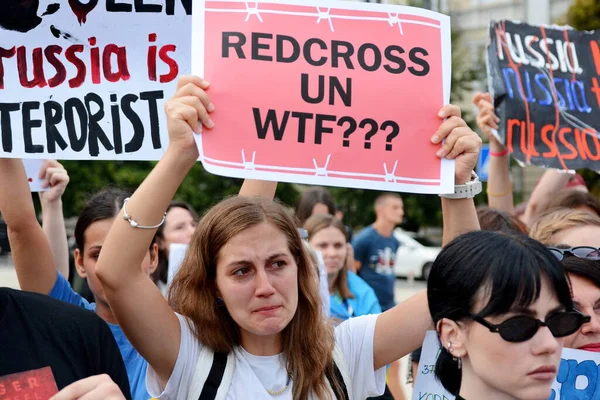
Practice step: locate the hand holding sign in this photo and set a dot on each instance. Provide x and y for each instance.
(55, 179)
(186, 112)
(487, 120)
(461, 143)
(99, 387)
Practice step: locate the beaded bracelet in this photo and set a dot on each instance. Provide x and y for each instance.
(134, 224)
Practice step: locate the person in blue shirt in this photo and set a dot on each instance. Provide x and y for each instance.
(350, 296)
(375, 250)
(37, 273)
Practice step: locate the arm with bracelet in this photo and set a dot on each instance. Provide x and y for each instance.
(140, 308)
(499, 188)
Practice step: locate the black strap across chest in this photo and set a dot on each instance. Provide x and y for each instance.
(217, 370)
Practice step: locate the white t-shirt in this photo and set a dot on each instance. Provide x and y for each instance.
(253, 375)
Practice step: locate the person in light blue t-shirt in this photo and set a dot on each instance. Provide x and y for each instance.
(350, 296)
(37, 273)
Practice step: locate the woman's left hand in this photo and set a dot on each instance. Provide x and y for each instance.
(460, 143)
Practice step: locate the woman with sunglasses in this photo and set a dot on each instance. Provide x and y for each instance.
(575, 237)
(502, 306)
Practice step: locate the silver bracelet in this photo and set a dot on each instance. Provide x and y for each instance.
(133, 223)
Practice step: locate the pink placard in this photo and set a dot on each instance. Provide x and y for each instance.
(334, 93)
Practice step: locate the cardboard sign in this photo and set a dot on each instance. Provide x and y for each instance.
(32, 170)
(544, 81)
(88, 79)
(38, 384)
(578, 375)
(324, 92)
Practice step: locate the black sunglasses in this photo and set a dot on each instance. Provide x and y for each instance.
(522, 328)
(585, 252)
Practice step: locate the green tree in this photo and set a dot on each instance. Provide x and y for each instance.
(585, 15)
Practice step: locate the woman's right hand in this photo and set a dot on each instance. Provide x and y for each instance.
(186, 112)
(487, 119)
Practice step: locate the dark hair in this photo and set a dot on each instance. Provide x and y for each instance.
(309, 198)
(105, 204)
(491, 219)
(505, 268)
(574, 199)
(586, 269)
(162, 271)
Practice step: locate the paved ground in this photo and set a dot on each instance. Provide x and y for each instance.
(404, 289)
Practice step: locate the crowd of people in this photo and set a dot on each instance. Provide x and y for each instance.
(273, 304)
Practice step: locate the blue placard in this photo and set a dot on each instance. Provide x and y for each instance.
(483, 164)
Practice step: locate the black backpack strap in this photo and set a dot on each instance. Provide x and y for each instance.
(215, 377)
(339, 379)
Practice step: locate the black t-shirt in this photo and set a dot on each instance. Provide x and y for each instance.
(37, 331)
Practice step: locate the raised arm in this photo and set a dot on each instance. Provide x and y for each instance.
(53, 222)
(402, 329)
(552, 182)
(31, 253)
(141, 310)
(499, 187)
(252, 187)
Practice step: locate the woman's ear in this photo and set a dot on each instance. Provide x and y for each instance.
(453, 337)
(78, 256)
(153, 259)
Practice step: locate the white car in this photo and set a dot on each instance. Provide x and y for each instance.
(413, 257)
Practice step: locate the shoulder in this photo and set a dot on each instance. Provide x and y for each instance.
(363, 235)
(357, 285)
(57, 315)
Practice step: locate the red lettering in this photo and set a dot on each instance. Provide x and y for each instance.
(595, 55)
(78, 80)
(5, 53)
(581, 144)
(509, 132)
(61, 72)
(122, 71)
(561, 136)
(596, 90)
(16, 386)
(587, 132)
(173, 67)
(38, 68)
(544, 134)
(152, 58)
(95, 56)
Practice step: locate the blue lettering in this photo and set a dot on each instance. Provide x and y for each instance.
(539, 79)
(578, 86)
(530, 97)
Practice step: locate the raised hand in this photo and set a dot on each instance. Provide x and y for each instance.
(56, 178)
(487, 120)
(187, 111)
(460, 143)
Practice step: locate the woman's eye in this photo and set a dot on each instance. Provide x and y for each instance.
(279, 264)
(240, 272)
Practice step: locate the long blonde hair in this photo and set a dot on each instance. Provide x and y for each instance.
(308, 340)
(550, 223)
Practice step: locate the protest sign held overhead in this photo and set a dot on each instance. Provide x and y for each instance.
(88, 79)
(544, 81)
(335, 93)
